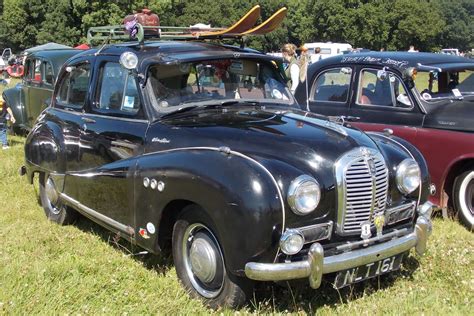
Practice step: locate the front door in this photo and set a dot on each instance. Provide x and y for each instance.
(113, 133)
(383, 101)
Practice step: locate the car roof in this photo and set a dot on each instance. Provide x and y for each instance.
(57, 57)
(401, 60)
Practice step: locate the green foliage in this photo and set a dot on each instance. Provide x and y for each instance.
(374, 24)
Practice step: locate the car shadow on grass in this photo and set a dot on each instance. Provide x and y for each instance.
(294, 296)
(158, 263)
(297, 296)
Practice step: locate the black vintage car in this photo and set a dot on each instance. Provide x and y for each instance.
(425, 98)
(200, 148)
(28, 98)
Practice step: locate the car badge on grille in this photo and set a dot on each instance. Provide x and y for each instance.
(379, 221)
(372, 169)
(365, 230)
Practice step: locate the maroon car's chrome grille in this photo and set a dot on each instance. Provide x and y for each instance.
(362, 186)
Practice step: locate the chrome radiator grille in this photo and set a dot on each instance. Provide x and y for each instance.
(362, 188)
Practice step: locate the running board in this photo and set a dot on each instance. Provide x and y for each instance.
(94, 214)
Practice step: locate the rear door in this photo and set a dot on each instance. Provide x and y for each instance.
(40, 88)
(330, 91)
(113, 133)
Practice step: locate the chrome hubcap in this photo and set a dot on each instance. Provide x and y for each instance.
(203, 260)
(51, 192)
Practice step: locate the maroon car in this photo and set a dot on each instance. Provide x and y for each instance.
(425, 98)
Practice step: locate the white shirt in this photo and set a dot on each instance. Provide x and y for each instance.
(295, 77)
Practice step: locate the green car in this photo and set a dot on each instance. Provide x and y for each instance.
(30, 97)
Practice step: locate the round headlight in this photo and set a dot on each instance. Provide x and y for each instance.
(129, 60)
(291, 242)
(304, 195)
(408, 176)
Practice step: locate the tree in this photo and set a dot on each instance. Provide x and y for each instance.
(459, 30)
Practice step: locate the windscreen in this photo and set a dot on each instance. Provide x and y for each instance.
(434, 85)
(178, 85)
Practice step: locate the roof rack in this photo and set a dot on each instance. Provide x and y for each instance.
(240, 29)
(119, 33)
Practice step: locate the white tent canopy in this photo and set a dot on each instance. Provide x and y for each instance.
(46, 46)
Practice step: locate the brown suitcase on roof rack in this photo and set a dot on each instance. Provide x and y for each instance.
(146, 18)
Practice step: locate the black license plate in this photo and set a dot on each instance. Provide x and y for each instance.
(370, 270)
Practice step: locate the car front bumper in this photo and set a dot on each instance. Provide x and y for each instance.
(316, 265)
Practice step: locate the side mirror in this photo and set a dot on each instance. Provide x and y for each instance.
(346, 70)
(382, 75)
(409, 76)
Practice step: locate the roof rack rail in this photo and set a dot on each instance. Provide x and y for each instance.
(119, 33)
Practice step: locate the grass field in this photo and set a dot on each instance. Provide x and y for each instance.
(81, 269)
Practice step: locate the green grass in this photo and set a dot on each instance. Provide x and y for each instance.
(80, 269)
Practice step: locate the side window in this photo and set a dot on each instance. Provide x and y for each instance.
(73, 86)
(37, 71)
(332, 85)
(48, 73)
(382, 89)
(29, 69)
(118, 93)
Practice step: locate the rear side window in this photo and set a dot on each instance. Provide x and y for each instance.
(48, 73)
(73, 86)
(332, 85)
(118, 92)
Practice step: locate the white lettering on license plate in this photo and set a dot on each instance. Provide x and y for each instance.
(370, 270)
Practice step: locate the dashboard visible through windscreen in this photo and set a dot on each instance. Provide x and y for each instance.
(183, 84)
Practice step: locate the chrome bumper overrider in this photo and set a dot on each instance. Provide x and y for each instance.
(316, 264)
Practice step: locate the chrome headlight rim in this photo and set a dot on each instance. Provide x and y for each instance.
(295, 185)
(286, 236)
(401, 174)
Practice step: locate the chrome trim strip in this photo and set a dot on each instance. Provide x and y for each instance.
(314, 268)
(81, 207)
(404, 207)
(327, 225)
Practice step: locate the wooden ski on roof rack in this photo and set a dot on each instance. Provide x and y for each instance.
(244, 27)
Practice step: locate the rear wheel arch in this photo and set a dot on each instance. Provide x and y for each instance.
(454, 171)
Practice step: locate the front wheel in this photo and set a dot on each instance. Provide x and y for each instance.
(53, 207)
(200, 265)
(464, 198)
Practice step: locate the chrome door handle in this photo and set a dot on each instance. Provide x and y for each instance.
(88, 120)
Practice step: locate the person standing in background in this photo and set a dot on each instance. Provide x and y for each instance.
(292, 72)
(303, 62)
(5, 115)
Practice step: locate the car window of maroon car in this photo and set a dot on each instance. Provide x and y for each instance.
(332, 85)
(386, 90)
(118, 92)
(73, 86)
